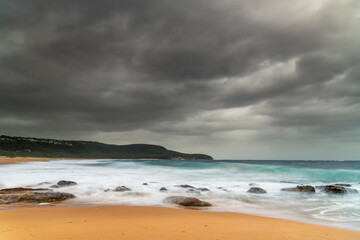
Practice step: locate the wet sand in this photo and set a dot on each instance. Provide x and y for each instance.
(4, 160)
(127, 222)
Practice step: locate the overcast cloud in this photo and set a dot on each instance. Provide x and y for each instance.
(245, 79)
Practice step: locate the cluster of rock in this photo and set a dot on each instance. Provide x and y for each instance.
(44, 195)
(179, 200)
(338, 188)
(333, 189)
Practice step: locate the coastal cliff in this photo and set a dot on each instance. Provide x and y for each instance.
(52, 148)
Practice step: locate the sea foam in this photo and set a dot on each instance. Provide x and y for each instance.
(228, 182)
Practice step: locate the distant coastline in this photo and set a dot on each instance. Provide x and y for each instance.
(43, 148)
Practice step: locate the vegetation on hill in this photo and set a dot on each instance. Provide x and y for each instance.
(51, 148)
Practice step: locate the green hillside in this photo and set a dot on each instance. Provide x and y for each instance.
(51, 148)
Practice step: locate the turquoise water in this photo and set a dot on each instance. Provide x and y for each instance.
(228, 182)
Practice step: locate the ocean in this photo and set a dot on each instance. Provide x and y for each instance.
(227, 180)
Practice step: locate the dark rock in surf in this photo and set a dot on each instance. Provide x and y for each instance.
(203, 189)
(184, 186)
(222, 188)
(122, 189)
(64, 183)
(187, 201)
(300, 188)
(20, 190)
(54, 186)
(336, 189)
(163, 189)
(145, 184)
(257, 190)
(333, 189)
(192, 190)
(32, 195)
(107, 190)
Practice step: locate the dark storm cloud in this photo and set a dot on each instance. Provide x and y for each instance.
(171, 66)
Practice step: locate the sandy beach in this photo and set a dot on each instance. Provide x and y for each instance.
(6, 160)
(124, 222)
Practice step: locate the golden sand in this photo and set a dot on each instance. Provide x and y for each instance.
(25, 159)
(6, 160)
(155, 223)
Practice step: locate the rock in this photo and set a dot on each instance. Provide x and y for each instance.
(184, 186)
(203, 189)
(145, 184)
(224, 189)
(187, 201)
(300, 188)
(54, 186)
(343, 184)
(64, 183)
(256, 190)
(192, 190)
(20, 190)
(333, 189)
(107, 190)
(122, 189)
(29, 195)
(163, 189)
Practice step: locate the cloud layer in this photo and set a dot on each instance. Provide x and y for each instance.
(246, 79)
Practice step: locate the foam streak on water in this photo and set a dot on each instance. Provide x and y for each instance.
(94, 176)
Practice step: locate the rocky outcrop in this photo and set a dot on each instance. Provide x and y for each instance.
(64, 183)
(257, 190)
(122, 189)
(187, 201)
(300, 188)
(336, 189)
(333, 189)
(20, 190)
(163, 189)
(32, 195)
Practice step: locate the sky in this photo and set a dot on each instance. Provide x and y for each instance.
(236, 79)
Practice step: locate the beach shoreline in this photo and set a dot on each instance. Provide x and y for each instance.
(135, 222)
